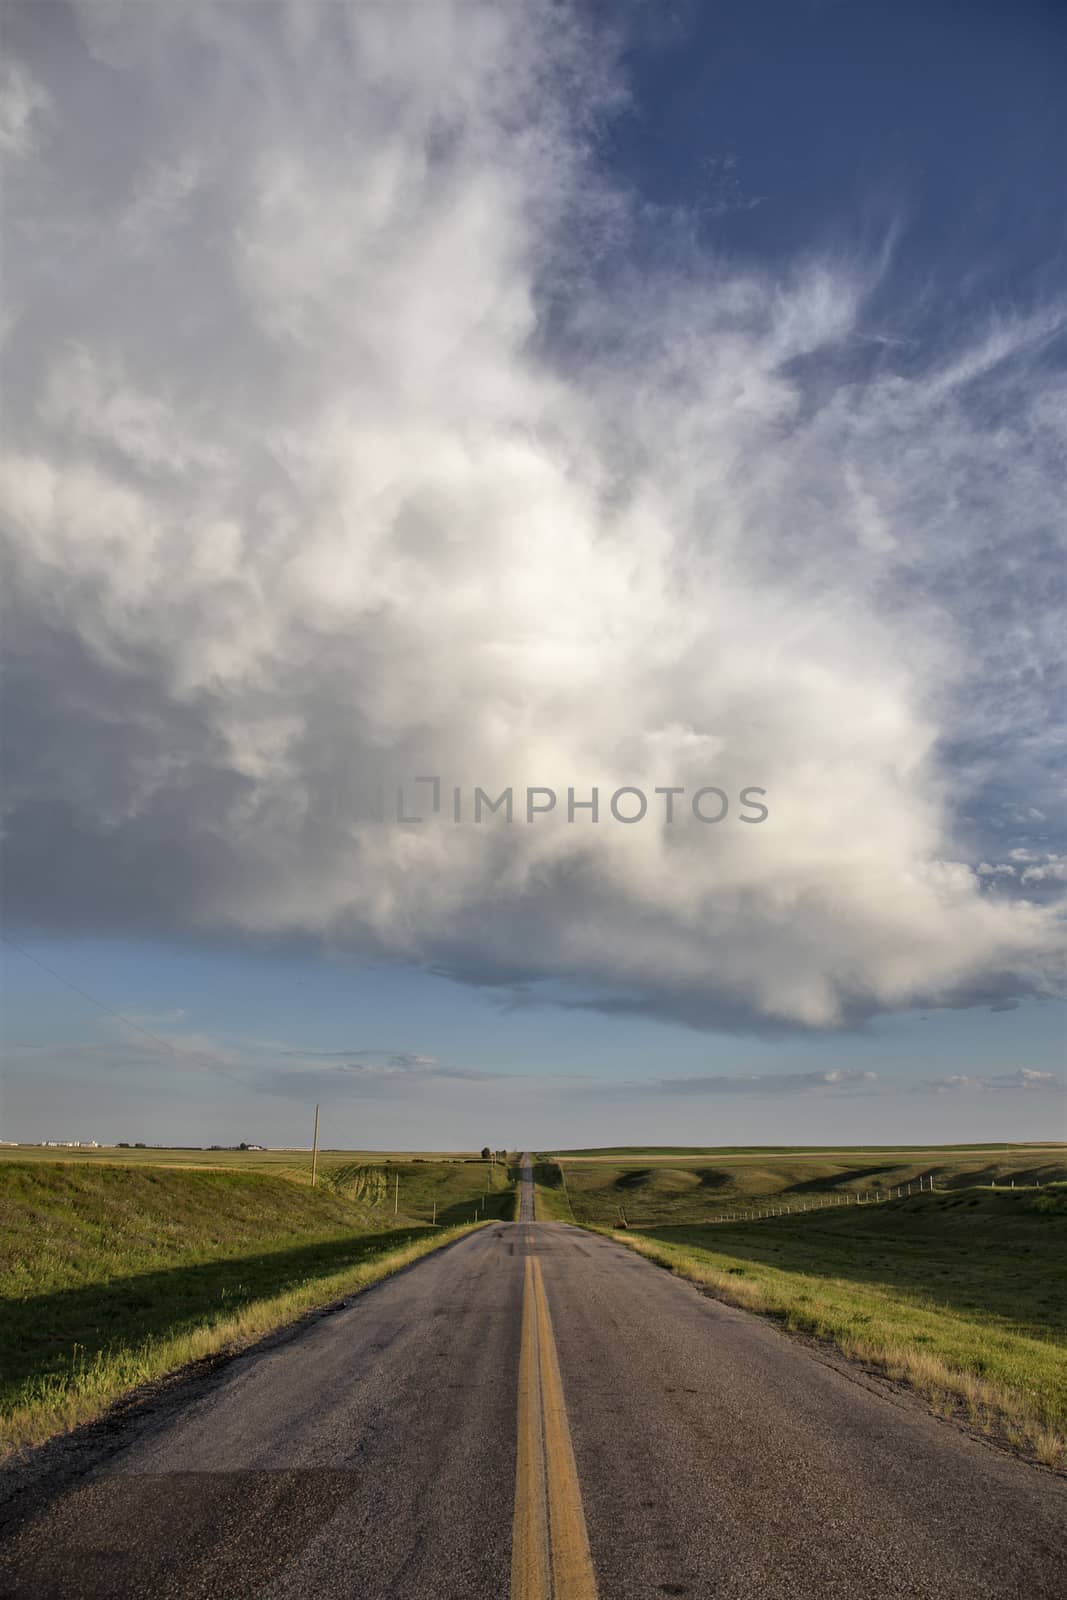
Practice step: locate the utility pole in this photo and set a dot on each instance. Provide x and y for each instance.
(435, 1211)
(315, 1149)
(396, 1195)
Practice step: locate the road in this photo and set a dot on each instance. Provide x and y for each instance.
(536, 1411)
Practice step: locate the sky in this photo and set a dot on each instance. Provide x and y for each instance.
(418, 420)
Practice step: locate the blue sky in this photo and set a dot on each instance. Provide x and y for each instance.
(538, 399)
(554, 1075)
(790, 126)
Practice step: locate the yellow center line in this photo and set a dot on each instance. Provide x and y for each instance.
(550, 1557)
(529, 1534)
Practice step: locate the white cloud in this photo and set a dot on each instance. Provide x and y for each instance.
(24, 107)
(129, 1047)
(160, 203)
(1052, 870)
(89, 399)
(372, 461)
(836, 1080)
(1026, 1079)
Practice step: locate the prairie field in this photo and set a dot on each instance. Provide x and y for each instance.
(664, 1152)
(959, 1290)
(645, 1188)
(114, 1273)
(293, 1163)
(119, 1266)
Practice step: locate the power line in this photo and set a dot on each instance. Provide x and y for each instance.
(172, 1049)
(110, 1011)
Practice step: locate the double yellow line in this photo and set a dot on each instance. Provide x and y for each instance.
(550, 1557)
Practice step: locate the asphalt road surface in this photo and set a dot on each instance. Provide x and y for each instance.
(533, 1412)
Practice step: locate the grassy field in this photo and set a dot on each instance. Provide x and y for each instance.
(651, 1187)
(551, 1201)
(112, 1275)
(459, 1189)
(294, 1164)
(117, 1267)
(663, 1152)
(961, 1292)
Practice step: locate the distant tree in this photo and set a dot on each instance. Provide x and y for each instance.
(123, 1144)
(487, 1154)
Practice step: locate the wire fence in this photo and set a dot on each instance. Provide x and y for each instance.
(859, 1197)
(825, 1202)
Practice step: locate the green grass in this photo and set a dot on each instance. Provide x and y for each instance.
(551, 1201)
(664, 1151)
(113, 1275)
(655, 1188)
(963, 1291)
(293, 1164)
(963, 1294)
(458, 1187)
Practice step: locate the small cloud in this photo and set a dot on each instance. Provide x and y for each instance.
(368, 1064)
(23, 103)
(1024, 1078)
(1052, 870)
(770, 1083)
(397, 1058)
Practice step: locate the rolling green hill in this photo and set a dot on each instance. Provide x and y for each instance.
(662, 1151)
(961, 1292)
(113, 1274)
(653, 1188)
